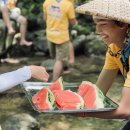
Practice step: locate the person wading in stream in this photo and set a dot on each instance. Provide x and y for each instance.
(57, 15)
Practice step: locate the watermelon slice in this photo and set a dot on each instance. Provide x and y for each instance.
(57, 85)
(44, 99)
(68, 100)
(91, 94)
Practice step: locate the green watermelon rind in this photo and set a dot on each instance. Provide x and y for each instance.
(100, 97)
(50, 99)
(61, 83)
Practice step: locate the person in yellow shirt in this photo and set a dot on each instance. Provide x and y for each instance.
(72, 1)
(15, 14)
(58, 14)
(112, 19)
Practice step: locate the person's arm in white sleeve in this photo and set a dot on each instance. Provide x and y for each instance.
(11, 79)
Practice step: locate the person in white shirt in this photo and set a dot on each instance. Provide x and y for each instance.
(10, 79)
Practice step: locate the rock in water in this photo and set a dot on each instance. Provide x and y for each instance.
(48, 64)
(20, 122)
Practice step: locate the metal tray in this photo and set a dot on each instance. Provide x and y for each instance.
(31, 88)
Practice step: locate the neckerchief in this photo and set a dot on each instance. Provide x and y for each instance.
(125, 53)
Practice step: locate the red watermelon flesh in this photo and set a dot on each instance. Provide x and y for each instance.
(39, 96)
(68, 100)
(43, 100)
(83, 89)
(92, 96)
(57, 85)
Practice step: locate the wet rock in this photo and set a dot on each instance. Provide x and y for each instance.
(94, 45)
(78, 44)
(20, 122)
(48, 64)
(58, 126)
(97, 60)
(93, 64)
(41, 40)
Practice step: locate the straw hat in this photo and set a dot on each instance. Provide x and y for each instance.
(113, 9)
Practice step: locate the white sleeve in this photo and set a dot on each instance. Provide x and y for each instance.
(11, 79)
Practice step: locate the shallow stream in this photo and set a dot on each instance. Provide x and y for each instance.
(14, 101)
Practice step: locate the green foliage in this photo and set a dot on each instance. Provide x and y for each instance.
(32, 10)
(92, 44)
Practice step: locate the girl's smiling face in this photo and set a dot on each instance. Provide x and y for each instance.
(110, 32)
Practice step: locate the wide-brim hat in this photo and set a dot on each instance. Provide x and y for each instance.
(112, 9)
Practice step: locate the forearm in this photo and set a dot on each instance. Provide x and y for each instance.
(11, 79)
(105, 79)
(104, 115)
(116, 114)
(122, 112)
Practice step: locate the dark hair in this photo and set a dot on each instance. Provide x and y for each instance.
(118, 23)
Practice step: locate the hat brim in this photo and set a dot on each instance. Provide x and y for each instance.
(118, 10)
